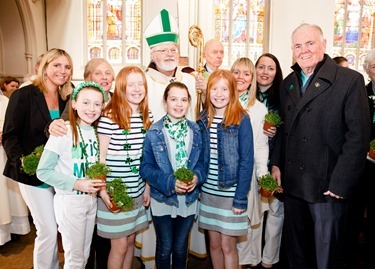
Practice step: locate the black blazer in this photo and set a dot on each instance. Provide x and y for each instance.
(26, 117)
(371, 103)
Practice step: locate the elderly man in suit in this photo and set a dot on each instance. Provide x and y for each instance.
(321, 150)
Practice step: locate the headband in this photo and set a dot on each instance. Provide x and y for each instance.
(87, 84)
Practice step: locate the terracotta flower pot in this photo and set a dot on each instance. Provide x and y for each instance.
(266, 193)
(267, 125)
(114, 208)
(371, 154)
(103, 178)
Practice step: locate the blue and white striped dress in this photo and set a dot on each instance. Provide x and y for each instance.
(215, 212)
(121, 224)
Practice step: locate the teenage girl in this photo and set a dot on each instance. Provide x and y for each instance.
(63, 165)
(100, 71)
(121, 133)
(171, 143)
(228, 143)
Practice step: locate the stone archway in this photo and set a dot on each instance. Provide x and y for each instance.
(22, 36)
(32, 14)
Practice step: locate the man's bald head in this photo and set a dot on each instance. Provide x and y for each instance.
(213, 53)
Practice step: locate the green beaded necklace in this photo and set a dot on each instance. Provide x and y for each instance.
(83, 148)
(128, 146)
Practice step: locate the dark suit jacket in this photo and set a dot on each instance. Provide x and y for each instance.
(325, 136)
(26, 117)
(371, 102)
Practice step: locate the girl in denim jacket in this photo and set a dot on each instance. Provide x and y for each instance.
(171, 143)
(229, 154)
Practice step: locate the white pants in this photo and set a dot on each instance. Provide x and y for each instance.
(250, 246)
(75, 215)
(40, 203)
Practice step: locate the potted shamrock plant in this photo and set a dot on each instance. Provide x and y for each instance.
(184, 174)
(119, 198)
(30, 162)
(371, 153)
(98, 171)
(272, 119)
(268, 185)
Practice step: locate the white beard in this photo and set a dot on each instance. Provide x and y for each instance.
(167, 66)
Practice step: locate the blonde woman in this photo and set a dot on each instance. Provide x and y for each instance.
(29, 111)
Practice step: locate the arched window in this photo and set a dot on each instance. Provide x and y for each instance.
(132, 54)
(95, 52)
(242, 26)
(114, 55)
(114, 27)
(354, 29)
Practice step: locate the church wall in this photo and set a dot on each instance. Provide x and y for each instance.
(65, 28)
(12, 46)
(65, 20)
(286, 15)
(22, 36)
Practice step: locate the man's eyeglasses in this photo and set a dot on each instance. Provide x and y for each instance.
(166, 51)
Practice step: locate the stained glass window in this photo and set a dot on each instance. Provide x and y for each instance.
(239, 24)
(114, 30)
(354, 30)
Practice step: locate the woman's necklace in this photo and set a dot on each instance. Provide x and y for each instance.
(127, 146)
(52, 101)
(83, 146)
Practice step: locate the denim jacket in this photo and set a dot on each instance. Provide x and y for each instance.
(157, 170)
(235, 156)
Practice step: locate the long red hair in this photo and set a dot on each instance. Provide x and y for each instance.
(118, 109)
(234, 111)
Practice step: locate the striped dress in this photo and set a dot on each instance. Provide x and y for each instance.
(123, 157)
(215, 212)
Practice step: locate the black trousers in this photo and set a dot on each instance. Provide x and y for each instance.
(313, 233)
